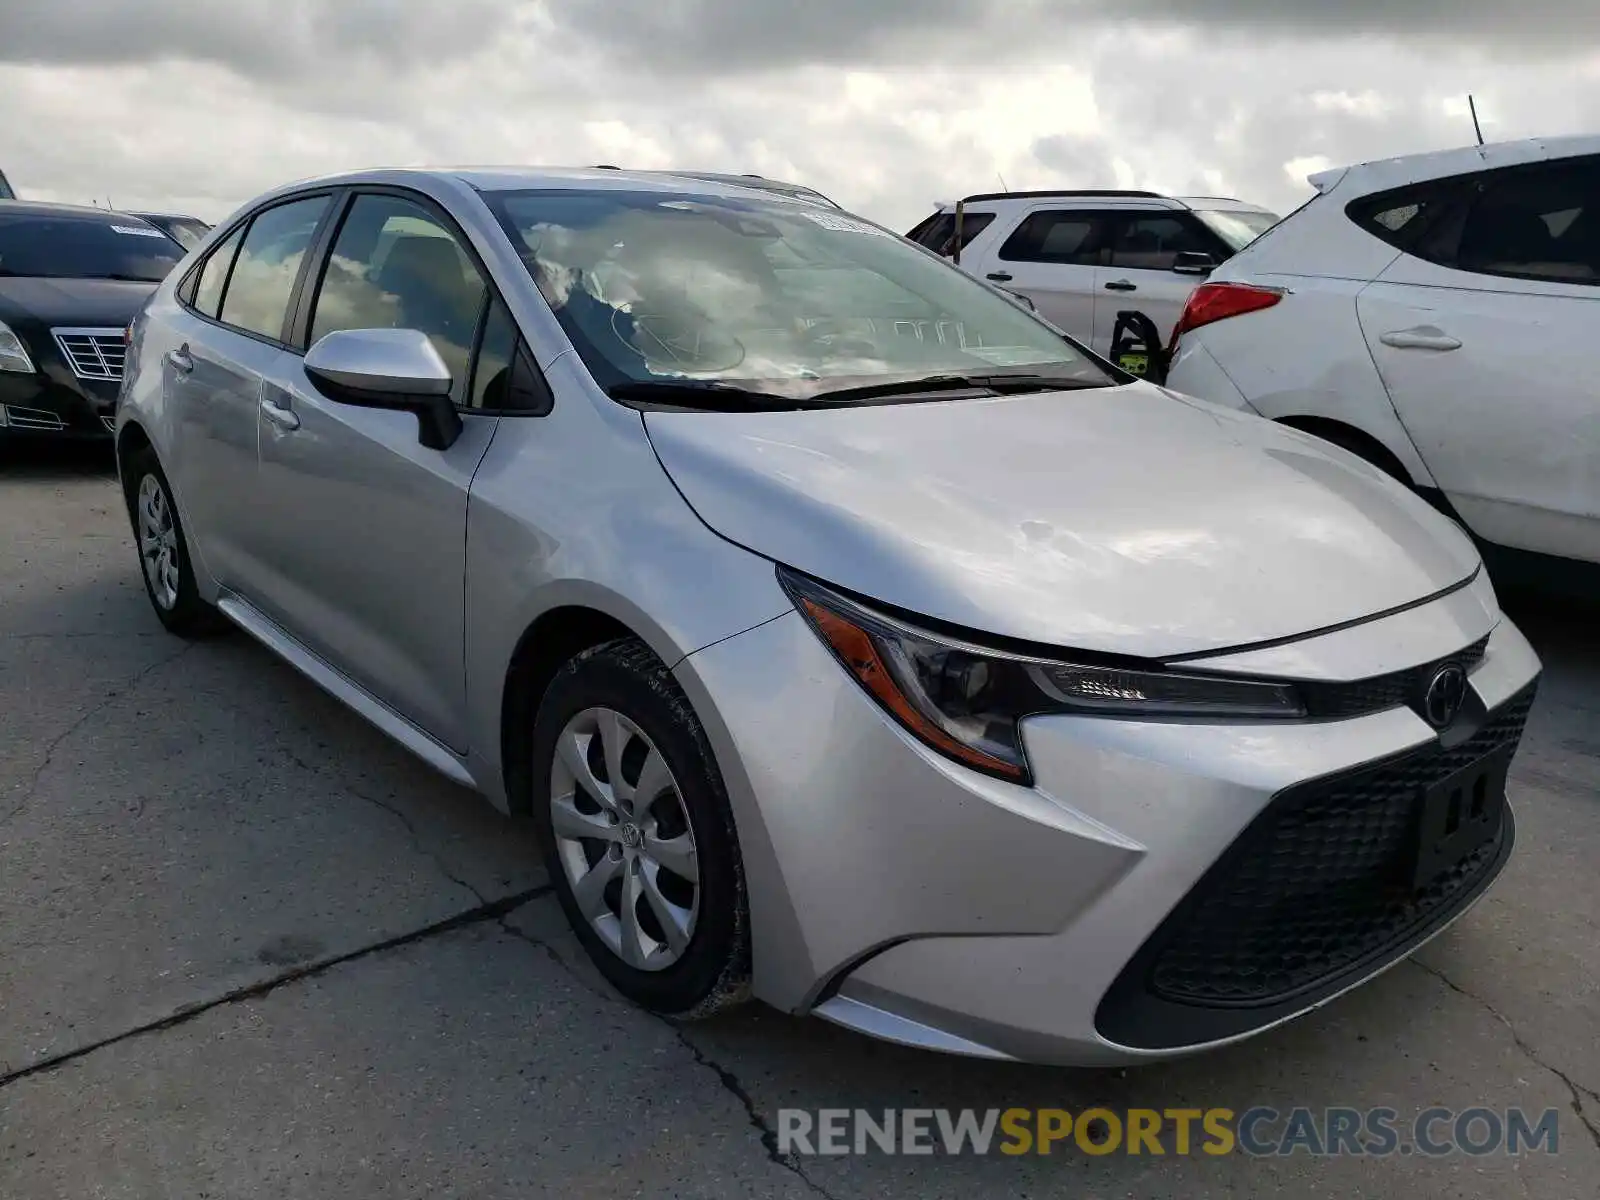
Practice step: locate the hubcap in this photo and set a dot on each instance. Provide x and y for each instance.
(624, 839)
(158, 541)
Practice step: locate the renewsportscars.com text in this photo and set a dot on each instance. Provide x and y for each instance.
(1257, 1132)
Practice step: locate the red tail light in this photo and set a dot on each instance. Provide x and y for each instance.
(1213, 302)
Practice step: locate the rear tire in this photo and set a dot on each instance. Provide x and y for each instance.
(163, 549)
(638, 835)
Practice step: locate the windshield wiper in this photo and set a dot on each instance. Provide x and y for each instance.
(1003, 383)
(708, 394)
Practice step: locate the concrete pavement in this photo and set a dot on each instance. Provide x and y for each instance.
(248, 948)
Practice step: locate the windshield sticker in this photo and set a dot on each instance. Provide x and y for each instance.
(135, 231)
(840, 224)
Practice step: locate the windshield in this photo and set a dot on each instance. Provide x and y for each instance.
(56, 247)
(1237, 228)
(779, 298)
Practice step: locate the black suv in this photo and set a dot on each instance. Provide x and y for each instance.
(71, 280)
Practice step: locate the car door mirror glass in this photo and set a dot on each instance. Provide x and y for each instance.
(1194, 262)
(388, 368)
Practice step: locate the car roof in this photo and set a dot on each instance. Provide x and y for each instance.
(759, 182)
(1222, 204)
(516, 178)
(166, 216)
(40, 208)
(1461, 160)
(1111, 195)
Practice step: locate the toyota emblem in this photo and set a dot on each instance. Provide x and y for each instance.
(1447, 691)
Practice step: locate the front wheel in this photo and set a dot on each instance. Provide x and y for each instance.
(637, 833)
(164, 560)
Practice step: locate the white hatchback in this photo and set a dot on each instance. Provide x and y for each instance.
(1433, 315)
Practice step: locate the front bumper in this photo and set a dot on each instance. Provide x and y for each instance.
(43, 405)
(902, 895)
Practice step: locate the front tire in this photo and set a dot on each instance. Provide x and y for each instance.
(164, 561)
(638, 835)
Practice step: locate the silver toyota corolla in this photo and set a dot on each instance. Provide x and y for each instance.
(855, 640)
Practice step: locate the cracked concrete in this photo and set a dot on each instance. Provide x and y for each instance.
(1579, 1093)
(248, 948)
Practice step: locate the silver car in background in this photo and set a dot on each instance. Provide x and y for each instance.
(854, 640)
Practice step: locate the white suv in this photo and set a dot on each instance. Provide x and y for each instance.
(1085, 257)
(1433, 314)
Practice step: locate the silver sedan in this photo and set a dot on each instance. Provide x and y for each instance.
(855, 640)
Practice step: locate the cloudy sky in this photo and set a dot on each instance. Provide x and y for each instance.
(886, 105)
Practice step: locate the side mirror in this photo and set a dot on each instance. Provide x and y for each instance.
(1194, 262)
(388, 368)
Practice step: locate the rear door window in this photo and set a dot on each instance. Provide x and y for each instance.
(1535, 223)
(1058, 236)
(268, 266)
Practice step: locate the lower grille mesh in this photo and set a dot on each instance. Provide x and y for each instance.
(1323, 880)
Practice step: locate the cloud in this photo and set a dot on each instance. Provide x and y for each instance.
(733, 36)
(888, 106)
(253, 37)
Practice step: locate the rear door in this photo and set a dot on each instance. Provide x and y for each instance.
(1051, 257)
(366, 527)
(1484, 334)
(230, 338)
(1139, 275)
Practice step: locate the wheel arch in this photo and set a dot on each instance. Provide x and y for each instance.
(1354, 439)
(554, 638)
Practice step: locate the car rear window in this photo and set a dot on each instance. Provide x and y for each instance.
(71, 247)
(5, 189)
(938, 232)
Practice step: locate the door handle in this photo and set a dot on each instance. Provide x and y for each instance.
(1423, 337)
(1121, 285)
(282, 417)
(1000, 276)
(180, 360)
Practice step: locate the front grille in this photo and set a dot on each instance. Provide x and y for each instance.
(1340, 700)
(1325, 881)
(93, 353)
(31, 418)
(110, 423)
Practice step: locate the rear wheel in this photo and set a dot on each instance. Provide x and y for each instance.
(163, 550)
(638, 835)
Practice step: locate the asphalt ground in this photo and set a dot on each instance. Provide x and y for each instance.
(249, 948)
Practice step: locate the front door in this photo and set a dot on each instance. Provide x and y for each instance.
(368, 527)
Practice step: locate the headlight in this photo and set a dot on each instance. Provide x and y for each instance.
(968, 702)
(13, 354)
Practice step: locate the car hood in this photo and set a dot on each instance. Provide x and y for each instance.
(1125, 520)
(85, 303)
